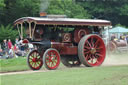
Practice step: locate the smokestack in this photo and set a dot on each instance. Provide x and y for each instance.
(43, 14)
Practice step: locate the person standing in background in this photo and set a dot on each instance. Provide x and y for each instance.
(4, 47)
(9, 44)
(127, 38)
(17, 41)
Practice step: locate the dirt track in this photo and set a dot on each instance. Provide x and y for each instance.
(109, 61)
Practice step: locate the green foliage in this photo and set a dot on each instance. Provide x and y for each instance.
(113, 10)
(120, 25)
(15, 9)
(2, 3)
(7, 32)
(67, 7)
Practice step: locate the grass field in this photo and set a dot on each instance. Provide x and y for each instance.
(103, 75)
(108, 75)
(20, 64)
(15, 64)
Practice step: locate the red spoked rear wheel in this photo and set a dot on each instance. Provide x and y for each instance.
(51, 59)
(34, 60)
(91, 50)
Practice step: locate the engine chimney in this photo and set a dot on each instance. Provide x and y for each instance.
(43, 14)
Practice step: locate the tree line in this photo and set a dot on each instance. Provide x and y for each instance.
(114, 10)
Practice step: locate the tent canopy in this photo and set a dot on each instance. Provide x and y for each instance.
(118, 30)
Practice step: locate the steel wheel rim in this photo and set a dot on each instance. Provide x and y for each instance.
(94, 50)
(52, 59)
(35, 60)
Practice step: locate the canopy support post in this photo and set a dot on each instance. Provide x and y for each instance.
(30, 31)
(33, 30)
(21, 31)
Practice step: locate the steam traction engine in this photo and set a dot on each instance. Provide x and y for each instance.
(71, 41)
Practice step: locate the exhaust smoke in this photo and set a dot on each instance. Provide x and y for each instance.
(44, 5)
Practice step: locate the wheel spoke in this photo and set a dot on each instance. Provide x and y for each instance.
(31, 63)
(38, 63)
(96, 43)
(88, 43)
(30, 59)
(98, 48)
(48, 63)
(55, 61)
(52, 64)
(93, 57)
(34, 65)
(87, 47)
(97, 60)
(86, 52)
(87, 57)
(92, 42)
(32, 55)
(100, 55)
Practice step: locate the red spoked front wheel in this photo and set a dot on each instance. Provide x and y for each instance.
(91, 50)
(34, 60)
(51, 59)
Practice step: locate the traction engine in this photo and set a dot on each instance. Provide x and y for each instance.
(71, 41)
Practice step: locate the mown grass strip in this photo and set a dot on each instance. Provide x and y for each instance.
(15, 64)
(112, 75)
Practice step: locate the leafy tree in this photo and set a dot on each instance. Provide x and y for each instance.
(113, 10)
(7, 32)
(2, 3)
(67, 7)
(15, 9)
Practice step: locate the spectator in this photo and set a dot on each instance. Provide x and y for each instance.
(30, 46)
(22, 46)
(15, 47)
(9, 44)
(113, 37)
(11, 53)
(127, 38)
(17, 43)
(1, 52)
(4, 46)
(0, 46)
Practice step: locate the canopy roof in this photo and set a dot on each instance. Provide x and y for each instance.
(63, 21)
(118, 30)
